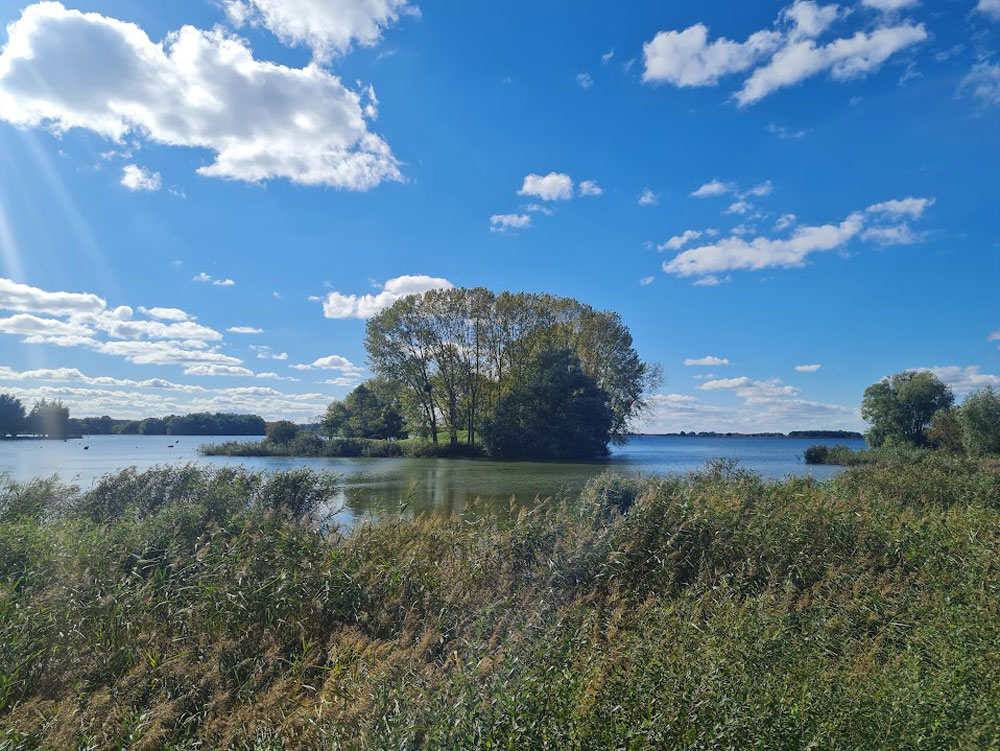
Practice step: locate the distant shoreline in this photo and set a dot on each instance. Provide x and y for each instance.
(791, 434)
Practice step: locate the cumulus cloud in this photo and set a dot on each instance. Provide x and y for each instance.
(166, 314)
(785, 221)
(712, 188)
(679, 241)
(589, 188)
(808, 368)
(584, 80)
(26, 299)
(508, 222)
(648, 198)
(983, 81)
(327, 26)
(736, 253)
(554, 186)
(646, 281)
(244, 330)
(963, 380)
(330, 362)
(990, 8)
(339, 305)
(707, 360)
(844, 59)
(910, 207)
(64, 69)
(888, 6)
(203, 277)
(994, 336)
(136, 178)
(779, 57)
(29, 325)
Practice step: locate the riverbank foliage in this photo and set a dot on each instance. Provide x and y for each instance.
(187, 608)
(309, 445)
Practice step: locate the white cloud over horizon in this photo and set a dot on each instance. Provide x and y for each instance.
(707, 360)
(136, 178)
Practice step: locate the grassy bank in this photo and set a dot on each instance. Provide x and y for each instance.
(845, 456)
(312, 446)
(190, 609)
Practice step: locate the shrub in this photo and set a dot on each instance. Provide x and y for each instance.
(979, 417)
(282, 431)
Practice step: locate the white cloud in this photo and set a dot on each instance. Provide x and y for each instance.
(166, 314)
(589, 188)
(710, 281)
(736, 253)
(272, 356)
(687, 58)
(990, 8)
(707, 360)
(584, 81)
(327, 26)
(339, 305)
(135, 177)
(348, 380)
(507, 222)
(330, 362)
(994, 336)
(898, 234)
(554, 186)
(845, 59)
(763, 189)
(784, 222)
(29, 325)
(679, 241)
(983, 81)
(65, 69)
(217, 370)
(963, 380)
(786, 133)
(244, 330)
(648, 198)
(203, 277)
(712, 188)
(910, 206)
(887, 6)
(646, 281)
(26, 299)
(725, 383)
(740, 207)
(808, 368)
(606, 57)
(779, 57)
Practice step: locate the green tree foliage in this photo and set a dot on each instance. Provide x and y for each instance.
(369, 411)
(11, 416)
(220, 423)
(553, 411)
(282, 431)
(50, 419)
(980, 420)
(456, 353)
(900, 408)
(153, 426)
(945, 430)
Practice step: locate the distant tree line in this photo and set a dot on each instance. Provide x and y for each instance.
(51, 419)
(521, 375)
(198, 424)
(47, 418)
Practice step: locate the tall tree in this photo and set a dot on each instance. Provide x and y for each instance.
(369, 411)
(553, 411)
(11, 416)
(980, 420)
(900, 407)
(50, 419)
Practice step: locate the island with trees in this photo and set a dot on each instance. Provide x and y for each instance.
(913, 413)
(467, 372)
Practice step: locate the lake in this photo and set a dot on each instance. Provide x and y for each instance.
(439, 485)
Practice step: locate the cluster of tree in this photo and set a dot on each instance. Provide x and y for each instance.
(915, 408)
(46, 418)
(459, 361)
(198, 424)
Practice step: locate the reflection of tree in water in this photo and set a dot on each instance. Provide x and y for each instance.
(457, 486)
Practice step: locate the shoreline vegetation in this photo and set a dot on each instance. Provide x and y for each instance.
(184, 608)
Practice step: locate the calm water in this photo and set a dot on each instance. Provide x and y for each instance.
(441, 485)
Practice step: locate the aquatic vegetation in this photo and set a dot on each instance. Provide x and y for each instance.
(190, 608)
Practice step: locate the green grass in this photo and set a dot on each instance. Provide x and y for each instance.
(194, 609)
(312, 446)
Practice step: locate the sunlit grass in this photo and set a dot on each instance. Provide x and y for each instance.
(188, 608)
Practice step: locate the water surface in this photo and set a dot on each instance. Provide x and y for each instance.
(439, 485)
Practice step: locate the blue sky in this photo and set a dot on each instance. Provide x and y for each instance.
(201, 201)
